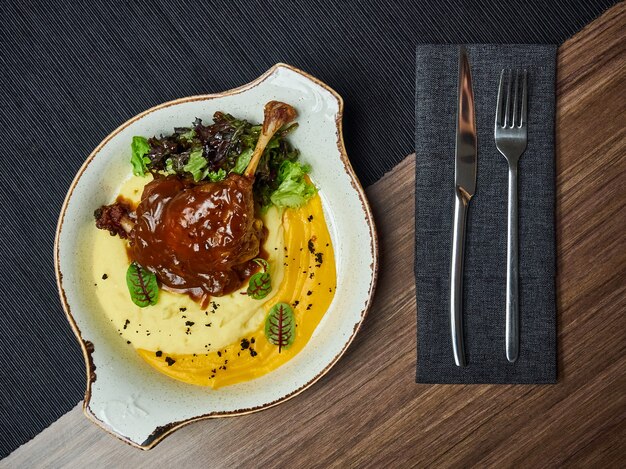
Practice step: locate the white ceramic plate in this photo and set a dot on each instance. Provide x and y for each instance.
(124, 395)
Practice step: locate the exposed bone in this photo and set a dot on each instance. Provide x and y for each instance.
(276, 115)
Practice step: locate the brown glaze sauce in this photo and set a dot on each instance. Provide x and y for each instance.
(199, 239)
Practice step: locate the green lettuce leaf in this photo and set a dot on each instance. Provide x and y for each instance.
(196, 165)
(169, 167)
(139, 148)
(242, 161)
(293, 189)
(215, 176)
(189, 135)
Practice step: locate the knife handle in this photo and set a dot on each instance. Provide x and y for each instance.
(461, 202)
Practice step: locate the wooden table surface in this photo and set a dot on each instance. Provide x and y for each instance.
(368, 411)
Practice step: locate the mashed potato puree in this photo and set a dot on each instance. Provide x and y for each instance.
(224, 343)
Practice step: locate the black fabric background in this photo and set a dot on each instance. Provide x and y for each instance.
(71, 72)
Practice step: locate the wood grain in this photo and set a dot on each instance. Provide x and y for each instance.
(369, 412)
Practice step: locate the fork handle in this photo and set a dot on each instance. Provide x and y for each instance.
(512, 271)
(461, 202)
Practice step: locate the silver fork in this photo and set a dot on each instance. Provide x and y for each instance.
(510, 132)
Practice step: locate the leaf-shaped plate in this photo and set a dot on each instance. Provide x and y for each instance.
(126, 397)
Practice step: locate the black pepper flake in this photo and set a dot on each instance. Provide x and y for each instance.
(170, 361)
(206, 313)
(319, 258)
(158, 353)
(219, 354)
(238, 354)
(311, 246)
(182, 310)
(309, 293)
(310, 218)
(311, 275)
(95, 284)
(128, 341)
(275, 249)
(252, 340)
(208, 325)
(188, 331)
(245, 343)
(285, 264)
(126, 323)
(253, 352)
(327, 244)
(330, 290)
(215, 305)
(213, 371)
(189, 323)
(296, 303)
(184, 317)
(105, 276)
(304, 272)
(309, 306)
(224, 368)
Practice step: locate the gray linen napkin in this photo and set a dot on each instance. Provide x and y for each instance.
(485, 254)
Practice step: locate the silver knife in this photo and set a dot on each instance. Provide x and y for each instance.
(464, 187)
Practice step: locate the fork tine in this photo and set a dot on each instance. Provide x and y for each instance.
(524, 98)
(499, 116)
(508, 100)
(514, 118)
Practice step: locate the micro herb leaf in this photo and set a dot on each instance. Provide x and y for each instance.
(142, 285)
(263, 263)
(259, 286)
(280, 326)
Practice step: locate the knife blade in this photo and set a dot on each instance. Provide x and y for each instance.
(464, 188)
